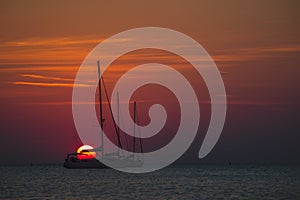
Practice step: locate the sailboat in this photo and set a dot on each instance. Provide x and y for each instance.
(77, 160)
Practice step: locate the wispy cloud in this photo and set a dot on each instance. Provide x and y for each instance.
(62, 41)
(62, 82)
(64, 50)
(46, 77)
(249, 54)
(82, 103)
(72, 50)
(252, 102)
(289, 48)
(49, 84)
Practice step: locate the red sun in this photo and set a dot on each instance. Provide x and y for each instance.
(86, 152)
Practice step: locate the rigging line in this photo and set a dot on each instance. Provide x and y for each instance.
(101, 108)
(114, 122)
(134, 123)
(125, 135)
(139, 131)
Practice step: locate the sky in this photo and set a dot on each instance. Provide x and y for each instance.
(255, 45)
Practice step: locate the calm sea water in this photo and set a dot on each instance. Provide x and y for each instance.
(176, 182)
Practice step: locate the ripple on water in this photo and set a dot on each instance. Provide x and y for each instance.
(188, 182)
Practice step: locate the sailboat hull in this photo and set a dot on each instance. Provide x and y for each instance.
(122, 163)
(96, 164)
(85, 164)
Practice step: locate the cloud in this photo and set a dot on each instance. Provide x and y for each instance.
(252, 54)
(49, 84)
(46, 77)
(62, 103)
(61, 50)
(63, 82)
(62, 41)
(253, 102)
(73, 50)
(290, 48)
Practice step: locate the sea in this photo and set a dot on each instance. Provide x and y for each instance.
(174, 182)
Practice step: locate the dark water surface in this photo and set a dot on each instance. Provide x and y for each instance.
(176, 182)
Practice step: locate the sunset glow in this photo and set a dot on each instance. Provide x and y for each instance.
(255, 45)
(84, 153)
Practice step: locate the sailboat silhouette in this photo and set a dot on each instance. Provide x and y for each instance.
(110, 159)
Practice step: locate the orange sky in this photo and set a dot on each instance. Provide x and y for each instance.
(255, 45)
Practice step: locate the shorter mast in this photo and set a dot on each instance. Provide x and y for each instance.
(118, 122)
(134, 120)
(101, 109)
(141, 145)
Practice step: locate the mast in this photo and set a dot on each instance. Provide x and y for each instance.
(118, 122)
(141, 145)
(111, 113)
(134, 120)
(101, 109)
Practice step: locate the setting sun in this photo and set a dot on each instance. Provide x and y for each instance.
(85, 153)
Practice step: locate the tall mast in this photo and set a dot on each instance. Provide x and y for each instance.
(118, 122)
(134, 120)
(111, 113)
(100, 101)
